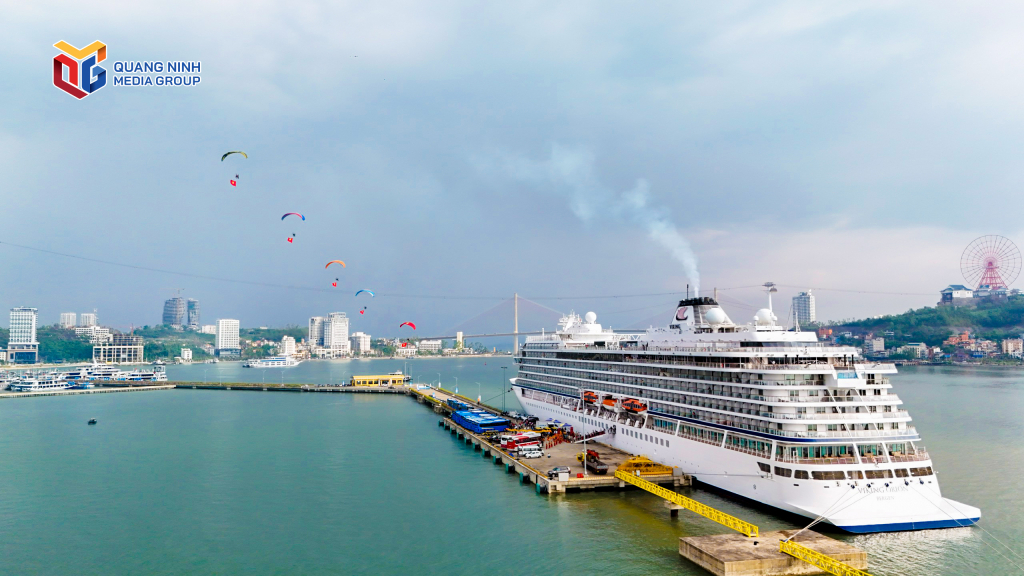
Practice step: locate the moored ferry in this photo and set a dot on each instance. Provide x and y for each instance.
(273, 362)
(44, 384)
(759, 410)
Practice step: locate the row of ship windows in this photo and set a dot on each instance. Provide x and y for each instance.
(748, 444)
(734, 406)
(752, 424)
(699, 388)
(646, 437)
(710, 375)
(742, 363)
(850, 475)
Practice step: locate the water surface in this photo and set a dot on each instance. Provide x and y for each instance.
(193, 481)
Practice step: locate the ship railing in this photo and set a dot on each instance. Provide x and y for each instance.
(766, 454)
(831, 416)
(917, 457)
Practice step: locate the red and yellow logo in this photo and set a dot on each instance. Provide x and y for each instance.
(83, 76)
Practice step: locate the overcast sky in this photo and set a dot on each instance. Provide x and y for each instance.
(480, 149)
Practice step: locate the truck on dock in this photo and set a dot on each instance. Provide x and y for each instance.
(591, 459)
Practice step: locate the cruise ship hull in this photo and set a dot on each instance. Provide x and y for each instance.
(861, 506)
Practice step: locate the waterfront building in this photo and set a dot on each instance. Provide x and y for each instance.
(186, 354)
(228, 343)
(407, 352)
(22, 346)
(336, 334)
(803, 308)
(287, 346)
(433, 346)
(1013, 347)
(122, 349)
(174, 312)
(88, 319)
(208, 329)
(915, 350)
(95, 334)
(192, 314)
(316, 331)
(68, 319)
(764, 412)
(360, 343)
(873, 345)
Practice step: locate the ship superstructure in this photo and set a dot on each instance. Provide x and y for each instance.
(759, 410)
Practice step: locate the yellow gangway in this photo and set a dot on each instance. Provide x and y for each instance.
(818, 559)
(741, 526)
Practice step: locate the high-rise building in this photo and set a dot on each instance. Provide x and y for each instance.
(803, 308)
(87, 319)
(192, 312)
(287, 346)
(336, 333)
(67, 319)
(22, 347)
(174, 312)
(208, 329)
(316, 331)
(227, 338)
(360, 343)
(122, 349)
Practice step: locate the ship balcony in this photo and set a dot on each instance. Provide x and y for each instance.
(908, 431)
(824, 461)
(869, 416)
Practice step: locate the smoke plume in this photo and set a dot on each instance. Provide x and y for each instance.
(572, 170)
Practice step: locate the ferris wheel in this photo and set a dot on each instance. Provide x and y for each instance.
(992, 261)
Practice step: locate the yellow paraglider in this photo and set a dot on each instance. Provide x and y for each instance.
(226, 154)
(335, 262)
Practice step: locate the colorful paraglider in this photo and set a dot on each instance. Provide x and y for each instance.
(370, 292)
(335, 262)
(293, 214)
(226, 154)
(410, 324)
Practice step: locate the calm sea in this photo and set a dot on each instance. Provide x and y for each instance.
(212, 482)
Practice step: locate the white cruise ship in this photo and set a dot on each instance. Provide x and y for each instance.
(757, 410)
(274, 362)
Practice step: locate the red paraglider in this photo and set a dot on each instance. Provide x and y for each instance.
(410, 324)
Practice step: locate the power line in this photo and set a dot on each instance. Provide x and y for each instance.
(310, 288)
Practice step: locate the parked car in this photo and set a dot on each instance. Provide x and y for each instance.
(531, 454)
(554, 472)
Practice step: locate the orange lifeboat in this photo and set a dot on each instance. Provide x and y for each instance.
(632, 405)
(589, 397)
(609, 402)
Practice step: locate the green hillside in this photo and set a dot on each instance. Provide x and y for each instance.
(989, 320)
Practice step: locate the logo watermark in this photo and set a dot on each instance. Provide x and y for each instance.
(76, 71)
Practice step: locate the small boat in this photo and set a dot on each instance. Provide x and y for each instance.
(632, 405)
(92, 421)
(589, 397)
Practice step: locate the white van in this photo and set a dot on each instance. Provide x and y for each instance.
(531, 451)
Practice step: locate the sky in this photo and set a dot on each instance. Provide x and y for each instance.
(456, 153)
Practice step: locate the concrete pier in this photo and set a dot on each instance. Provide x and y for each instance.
(75, 392)
(736, 555)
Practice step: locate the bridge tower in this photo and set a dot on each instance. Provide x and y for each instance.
(515, 326)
